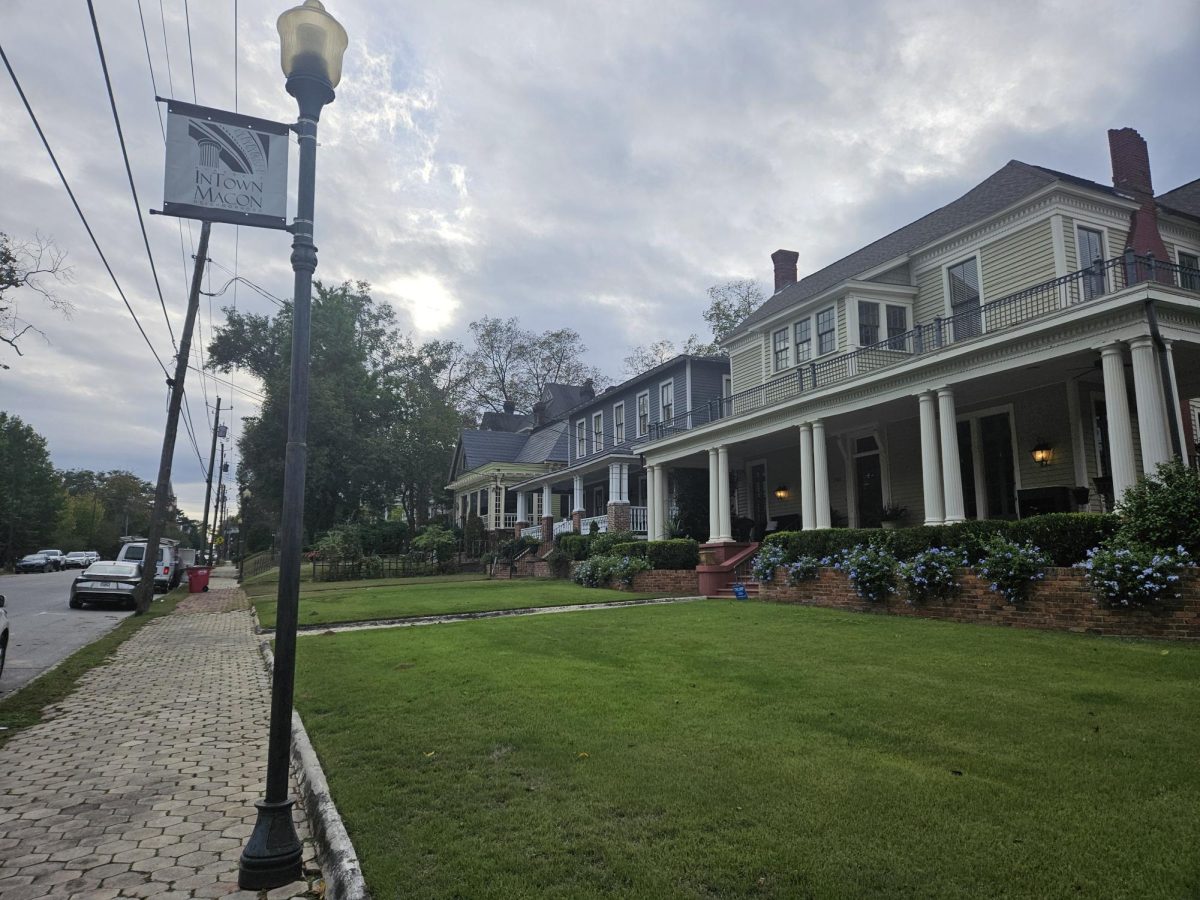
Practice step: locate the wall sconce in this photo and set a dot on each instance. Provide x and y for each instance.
(781, 492)
(1043, 454)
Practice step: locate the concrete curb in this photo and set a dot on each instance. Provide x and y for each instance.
(339, 862)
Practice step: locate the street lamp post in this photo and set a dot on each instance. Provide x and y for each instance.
(311, 44)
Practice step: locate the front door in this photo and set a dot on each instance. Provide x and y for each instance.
(994, 470)
(758, 499)
(868, 482)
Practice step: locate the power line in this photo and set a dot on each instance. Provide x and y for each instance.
(241, 390)
(187, 18)
(166, 47)
(153, 80)
(79, 209)
(112, 101)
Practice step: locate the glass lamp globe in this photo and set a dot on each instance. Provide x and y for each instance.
(311, 43)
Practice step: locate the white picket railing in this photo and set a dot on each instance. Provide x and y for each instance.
(532, 531)
(601, 524)
(638, 520)
(566, 526)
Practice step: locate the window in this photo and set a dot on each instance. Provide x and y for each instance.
(779, 348)
(964, 298)
(826, 331)
(897, 320)
(726, 385)
(597, 432)
(643, 413)
(619, 423)
(803, 331)
(666, 400)
(1189, 271)
(580, 439)
(1090, 243)
(868, 323)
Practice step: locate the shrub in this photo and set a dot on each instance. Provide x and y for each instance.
(559, 562)
(872, 571)
(340, 544)
(1135, 576)
(602, 544)
(1163, 510)
(802, 569)
(575, 546)
(438, 542)
(676, 553)
(930, 574)
(597, 571)
(769, 558)
(1012, 568)
(507, 551)
(1064, 537)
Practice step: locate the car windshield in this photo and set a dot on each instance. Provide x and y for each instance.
(33, 556)
(121, 569)
(78, 554)
(50, 552)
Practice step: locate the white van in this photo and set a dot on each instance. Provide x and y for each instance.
(168, 572)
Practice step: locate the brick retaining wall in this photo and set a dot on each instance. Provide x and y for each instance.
(1062, 602)
(681, 582)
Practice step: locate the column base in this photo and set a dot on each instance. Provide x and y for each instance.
(273, 854)
(577, 521)
(547, 530)
(619, 517)
(518, 528)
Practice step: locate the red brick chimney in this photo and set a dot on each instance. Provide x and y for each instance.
(1131, 177)
(785, 268)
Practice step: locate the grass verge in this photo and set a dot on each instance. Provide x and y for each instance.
(24, 707)
(718, 749)
(440, 596)
(267, 584)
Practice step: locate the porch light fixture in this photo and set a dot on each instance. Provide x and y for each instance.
(1043, 454)
(781, 492)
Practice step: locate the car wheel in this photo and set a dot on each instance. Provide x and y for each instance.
(75, 604)
(45, 568)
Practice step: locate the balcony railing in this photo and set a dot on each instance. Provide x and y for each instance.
(1097, 280)
(638, 520)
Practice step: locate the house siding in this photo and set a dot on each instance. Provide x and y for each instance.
(1018, 261)
(746, 366)
(931, 297)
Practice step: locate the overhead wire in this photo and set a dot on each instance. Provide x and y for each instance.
(78, 209)
(112, 101)
(187, 18)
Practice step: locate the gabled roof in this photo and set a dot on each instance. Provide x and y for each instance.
(504, 421)
(1184, 199)
(561, 397)
(999, 191)
(650, 375)
(480, 447)
(547, 444)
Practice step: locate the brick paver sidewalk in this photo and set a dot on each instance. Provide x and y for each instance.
(142, 783)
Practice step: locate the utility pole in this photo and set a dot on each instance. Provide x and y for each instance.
(217, 505)
(212, 458)
(145, 588)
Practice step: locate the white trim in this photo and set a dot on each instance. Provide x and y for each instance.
(1008, 409)
(786, 331)
(1058, 239)
(816, 333)
(580, 436)
(852, 322)
(617, 442)
(599, 414)
(687, 391)
(726, 386)
(637, 414)
(947, 304)
(1105, 241)
(1078, 439)
(750, 464)
(885, 475)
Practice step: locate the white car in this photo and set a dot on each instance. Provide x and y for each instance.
(167, 573)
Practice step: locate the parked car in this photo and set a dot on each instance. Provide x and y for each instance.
(3, 634)
(95, 556)
(106, 582)
(56, 558)
(167, 573)
(77, 559)
(35, 562)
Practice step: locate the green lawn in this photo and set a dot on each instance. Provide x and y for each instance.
(434, 596)
(267, 584)
(723, 749)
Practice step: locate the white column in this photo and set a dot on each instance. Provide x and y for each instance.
(820, 474)
(951, 471)
(651, 502)
(981, 503)
(522, 510)
(1151, 409)
(577, 483)
(660, 504)
(1175, 406)
(623, 482)
(931, 460)
(547, 502)
(808, 503)
(1116, 410)
(714, 497)
(726, 526)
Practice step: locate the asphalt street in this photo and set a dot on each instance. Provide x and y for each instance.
(42, 628)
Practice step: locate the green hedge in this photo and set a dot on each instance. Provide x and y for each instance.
(1066, 537)
(602, 544)
(574, 546)
(677, 553)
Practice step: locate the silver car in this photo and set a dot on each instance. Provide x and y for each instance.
(106, 582)
(3, 634)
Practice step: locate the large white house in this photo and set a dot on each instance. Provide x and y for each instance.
(1028, 347)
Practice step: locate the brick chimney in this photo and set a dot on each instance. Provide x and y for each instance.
(1131, 177)
(539, 413)
(587, 390)
(785, 268)
(510, 406)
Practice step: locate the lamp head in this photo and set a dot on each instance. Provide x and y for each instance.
(311, 44)
(1043, 453)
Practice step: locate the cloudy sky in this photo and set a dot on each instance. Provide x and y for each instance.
(587, 165)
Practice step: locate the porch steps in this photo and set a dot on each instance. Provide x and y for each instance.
(726, 593)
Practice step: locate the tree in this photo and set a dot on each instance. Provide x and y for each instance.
(509, 364)
(645, 357)
(25, 267)
(31, 495)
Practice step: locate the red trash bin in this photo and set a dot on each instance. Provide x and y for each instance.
(198, 579)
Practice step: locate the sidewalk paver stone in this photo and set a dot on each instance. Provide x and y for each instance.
(142, 782)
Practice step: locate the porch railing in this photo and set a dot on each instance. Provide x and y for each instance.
(565, 526)
(532, 531)
(1097, 280)
(601, 523)
(638, 519)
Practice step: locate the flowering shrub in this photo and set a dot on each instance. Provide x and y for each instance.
(929, 575)
(769, 558)
(599, 570)
(871, 569)
(1133, 576)
(1012, 568)
(802, 569)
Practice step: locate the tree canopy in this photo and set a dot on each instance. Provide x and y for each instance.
(25, 267)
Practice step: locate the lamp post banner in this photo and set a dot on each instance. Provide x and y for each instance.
(225, 167)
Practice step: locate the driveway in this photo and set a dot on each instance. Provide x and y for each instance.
(43, 629)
